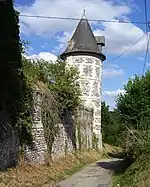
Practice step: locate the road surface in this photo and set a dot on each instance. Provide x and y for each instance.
(96, 175)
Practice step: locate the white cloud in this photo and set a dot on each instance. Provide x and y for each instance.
(96, 9)
(140, 58)
(110, 70)
(110, 97)
(108, 73)
(63, 41)
(113, 93)
(44, 56)
(118, 36)
(109, 101)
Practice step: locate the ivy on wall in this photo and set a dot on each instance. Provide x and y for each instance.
(50, 117)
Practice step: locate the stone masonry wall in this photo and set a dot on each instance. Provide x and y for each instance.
(84, 128)
(62, 143)
(90, 69)
(75, 133)
(36, 153)
(66, 139)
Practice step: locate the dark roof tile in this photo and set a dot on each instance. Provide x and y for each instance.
(83, 40)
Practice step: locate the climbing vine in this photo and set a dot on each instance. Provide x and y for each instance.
(50, 117)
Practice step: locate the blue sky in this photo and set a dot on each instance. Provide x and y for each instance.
(47, 36)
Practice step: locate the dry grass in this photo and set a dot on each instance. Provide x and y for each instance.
(46, 175)
(111, 149)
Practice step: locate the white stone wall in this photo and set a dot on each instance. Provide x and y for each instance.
(83, 124)
(37, 153)
(90, 69)
(62, 142)
(65, 140)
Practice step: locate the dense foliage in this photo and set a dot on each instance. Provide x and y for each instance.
(131, 117)
(111, 128)
(134, 111)
(133, 108)
(134, 105)
(60, 92)
(59, 78)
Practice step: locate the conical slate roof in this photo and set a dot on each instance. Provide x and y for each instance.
(83, 40)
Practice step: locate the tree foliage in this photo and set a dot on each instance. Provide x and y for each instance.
(133, 108)
(60, 92)
(131, 117)
(134, 105)
(106, 121)
(134, 111)
(59, 78)
(111, 128)
(63, 81)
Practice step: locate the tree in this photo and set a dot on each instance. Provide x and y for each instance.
(134, 105)
(134, 110)
(111, 128)
(63, 81)
(105, 115)
(60, 79)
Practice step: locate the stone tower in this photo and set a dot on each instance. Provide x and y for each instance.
(84, 51)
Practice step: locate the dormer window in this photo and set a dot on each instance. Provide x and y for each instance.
(100, 40)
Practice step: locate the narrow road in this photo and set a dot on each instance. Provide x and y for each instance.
(95, 175)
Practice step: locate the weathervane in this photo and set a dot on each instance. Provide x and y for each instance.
(84, 11)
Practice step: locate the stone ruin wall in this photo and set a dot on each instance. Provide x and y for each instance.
(37, 152)
(68, 137)
(75, 132)
(84, 128)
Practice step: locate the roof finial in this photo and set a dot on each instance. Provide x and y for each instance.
(84, 11)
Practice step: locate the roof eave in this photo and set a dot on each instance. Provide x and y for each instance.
(99, 55)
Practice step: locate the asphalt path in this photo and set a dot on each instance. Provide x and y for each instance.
(98, 174)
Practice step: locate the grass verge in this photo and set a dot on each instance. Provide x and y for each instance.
(137, 175)
(26, 175)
